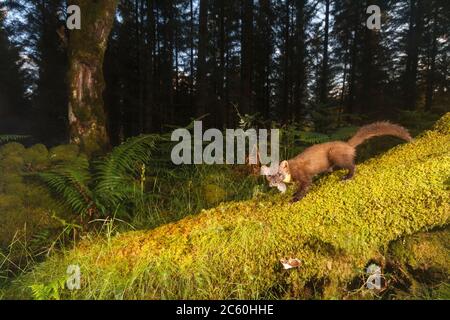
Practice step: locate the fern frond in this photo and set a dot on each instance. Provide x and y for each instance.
(71, 183)
(5, 138)
(313, 137)
(344, 133)
(114, 175)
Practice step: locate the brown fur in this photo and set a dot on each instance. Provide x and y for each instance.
(327, 157)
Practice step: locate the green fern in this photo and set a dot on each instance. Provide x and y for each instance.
(71, 184)
(313, 137)
(50, 291)
(114, 175)
(105, 185)
(5, 138)
(343, 134)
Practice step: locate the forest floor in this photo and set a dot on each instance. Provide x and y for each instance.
(393, 215)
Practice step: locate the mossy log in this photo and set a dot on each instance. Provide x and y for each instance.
(86, 82)
(234, 250)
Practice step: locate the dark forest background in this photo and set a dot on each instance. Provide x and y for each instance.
(312, 62)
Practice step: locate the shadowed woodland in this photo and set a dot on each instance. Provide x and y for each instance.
(313, 63)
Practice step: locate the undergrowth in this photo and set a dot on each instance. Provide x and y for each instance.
(233, 249)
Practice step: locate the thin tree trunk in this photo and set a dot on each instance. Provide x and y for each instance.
(416, 25)
(351, 99)
(87, 116)
(191, 58)
(222, 40)
(323, 91)
(432, 65)
(286, 72)
(150, 62)
(247, 56)
(300, 70)
(201, 69)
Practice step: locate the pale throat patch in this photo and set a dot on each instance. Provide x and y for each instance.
(287, 178)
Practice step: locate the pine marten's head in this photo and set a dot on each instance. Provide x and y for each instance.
(280, 177)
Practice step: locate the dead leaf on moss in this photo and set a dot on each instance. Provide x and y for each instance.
(290, 263)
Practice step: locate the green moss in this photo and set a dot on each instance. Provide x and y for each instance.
(25, 207)
(64, 153)
(421, 265)
(233, 250)
(9, 178)
(91, 145)
(423, 251)
(214, 194)
(443, 125)
(11, 207)
(12, 163)
(15, 188)
(12, 148)
(36, 157)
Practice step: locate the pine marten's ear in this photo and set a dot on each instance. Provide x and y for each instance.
(284, 166)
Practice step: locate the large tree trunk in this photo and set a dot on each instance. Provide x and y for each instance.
(87, 116)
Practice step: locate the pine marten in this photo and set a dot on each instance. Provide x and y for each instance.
(327, 157)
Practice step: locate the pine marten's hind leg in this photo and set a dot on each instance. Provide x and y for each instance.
(351, 172)
(345, 161)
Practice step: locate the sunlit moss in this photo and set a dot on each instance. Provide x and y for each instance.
(213, 193)
(422, 266)
(25, 206)
(64, 153)
(12, 163)
(36, 157)
(443, 125)
(12, 148)
(423, 251)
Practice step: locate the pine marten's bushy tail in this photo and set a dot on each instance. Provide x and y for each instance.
(379, 129)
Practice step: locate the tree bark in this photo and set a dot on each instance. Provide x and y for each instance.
(416, 25)
(222, 64)
(264, 45)
(286, 106)
(431, 65)
(150, 66)
(323, 95)
(300, 67)
(201, 68)
(247, 56)
(86, 50)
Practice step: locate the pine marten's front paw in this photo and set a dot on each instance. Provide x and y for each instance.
(294, 200)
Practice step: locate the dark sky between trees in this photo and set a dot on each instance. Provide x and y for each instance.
(168, 61)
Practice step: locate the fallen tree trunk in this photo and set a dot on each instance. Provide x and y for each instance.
(234, 250)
